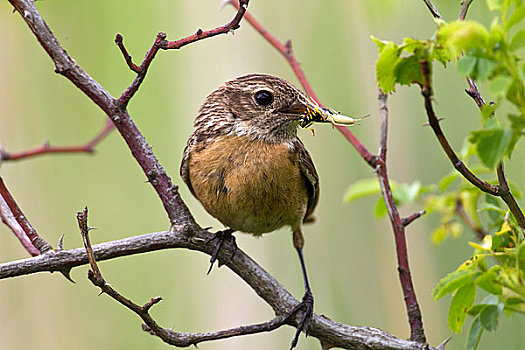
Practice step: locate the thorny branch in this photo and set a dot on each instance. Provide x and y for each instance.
(502, 190)
(183, 223)
(377, 162)
(417, 332)
(177, 211)
(162, 43)
(150, 325)
(46, 148)
(28, 236)
(264, 284)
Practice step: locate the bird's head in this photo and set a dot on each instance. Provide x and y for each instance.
(264, 106)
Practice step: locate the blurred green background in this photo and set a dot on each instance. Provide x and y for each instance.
(349, 252)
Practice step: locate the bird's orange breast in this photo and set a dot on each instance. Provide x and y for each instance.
(250, 186)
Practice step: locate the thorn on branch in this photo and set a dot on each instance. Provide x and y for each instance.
(60, 244)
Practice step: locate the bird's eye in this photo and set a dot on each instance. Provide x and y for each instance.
(263, 97)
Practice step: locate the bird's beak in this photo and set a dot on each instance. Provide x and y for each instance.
(314, 113)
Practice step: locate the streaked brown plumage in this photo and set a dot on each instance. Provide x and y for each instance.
(246, 165)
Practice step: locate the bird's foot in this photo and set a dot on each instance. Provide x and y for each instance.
(221, 236)
(307, 308)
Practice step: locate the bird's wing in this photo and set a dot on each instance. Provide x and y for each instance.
(312, 179)
(184, 172)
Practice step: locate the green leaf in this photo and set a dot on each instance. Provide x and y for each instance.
(476, 309)
(521, 251)
(407, 193)
(408, 70)
(491, 144)
(447, 181)
(467, 65)
(487, 281)
(489, 317)
(461, 301)
(388, 55)
(412, 45)
(439, 234)
(518, 40)
(516, 17)
(516, 93)
(491, 207)
(517, 122)
(499, 86)
(495, 4)
(441, 55)
(362, 188)
(487, 111)
(451, 282)
(380, 209)
(379, 43)
(461, 36)
(476, 65)
(474, 335)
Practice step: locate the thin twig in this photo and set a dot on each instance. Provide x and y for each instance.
(46, 148)
(265, 285)
(464, 9)
(119, 40)
(508, 198)
(503, 187)
(408, 220)
(460, 210)
(433, 10)
(417, 332)
(286, 51)
(10, 221)
(178, 213)
(426, 91)
(30, 233)
(200, 34)
(161, 43)
(126, 96)
(473, 92)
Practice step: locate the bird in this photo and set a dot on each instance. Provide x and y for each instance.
(248, 168)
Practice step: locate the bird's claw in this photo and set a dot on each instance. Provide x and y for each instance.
(221, 236)
(307, 307)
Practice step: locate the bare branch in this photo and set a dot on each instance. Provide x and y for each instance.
(177, 211)
(417, 332)
(35, 241)
(46, 148)
(161, 43)
(10, 221)
(199, 35)
(119, 40)
(265, 285)
(473, 92)
(426, 91)
(464, 8)
(503, 187)
(150, 325)
(408, 220)
(433, 10)
(467, 220)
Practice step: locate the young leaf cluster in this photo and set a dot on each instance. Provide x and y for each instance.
(493, 56)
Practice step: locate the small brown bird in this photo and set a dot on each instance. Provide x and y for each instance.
(246, 165)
